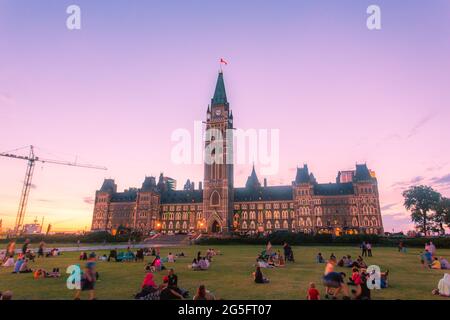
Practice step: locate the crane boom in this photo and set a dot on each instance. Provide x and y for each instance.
(31, 158)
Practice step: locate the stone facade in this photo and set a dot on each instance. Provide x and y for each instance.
(350, 205)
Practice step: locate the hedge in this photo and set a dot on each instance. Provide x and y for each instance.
(323, 240)
(93, 237)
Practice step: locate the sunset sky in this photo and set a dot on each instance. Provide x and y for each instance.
(113, 92)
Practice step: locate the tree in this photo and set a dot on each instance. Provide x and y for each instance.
(442, 214)
(421, 201)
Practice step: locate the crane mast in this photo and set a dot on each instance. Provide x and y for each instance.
(31, 158)
(25, 192)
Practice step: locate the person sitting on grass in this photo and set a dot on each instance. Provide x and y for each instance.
(203, 294)
(262, 263)
(258, 276)
(39, 273)
(170, 257)
(194, 265)
(148, 286)
(169, 292)
(444, 263)
(6, 295)
(281, 262)
(139, 255)
(155, 265)
(9, 262)
(172, 282)
(436, 264)
(112, 255)
(312, 293)
(24, 267)
(334, 280)
(204, 264)
(19, 262)
(333, 257)
(348, 262)
(271, 262)
(359, 263)
(30, 255)
(355, 280)
(342, 262)
(443, 288)
(319, 258)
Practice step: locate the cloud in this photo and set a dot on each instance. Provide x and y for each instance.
(88, 200)
(388, 206)
(419, 124)
(404, 184)
(44, 200)
(444, 180)
(412, 132)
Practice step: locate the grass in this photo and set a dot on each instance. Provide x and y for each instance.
(229, 276)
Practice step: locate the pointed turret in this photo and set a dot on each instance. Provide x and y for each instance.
(220, 96)
(252, 180)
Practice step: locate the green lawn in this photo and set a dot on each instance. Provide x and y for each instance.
(230, 275)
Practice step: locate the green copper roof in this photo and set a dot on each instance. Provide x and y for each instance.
(220, 96)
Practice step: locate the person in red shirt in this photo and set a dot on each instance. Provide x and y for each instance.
(313, 293)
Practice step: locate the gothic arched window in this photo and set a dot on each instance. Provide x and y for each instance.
(215, 198)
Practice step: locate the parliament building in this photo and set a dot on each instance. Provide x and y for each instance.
(349, 206)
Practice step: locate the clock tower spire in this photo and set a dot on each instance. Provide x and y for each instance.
(218, 189)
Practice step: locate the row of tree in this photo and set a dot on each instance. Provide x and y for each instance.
(430, 211)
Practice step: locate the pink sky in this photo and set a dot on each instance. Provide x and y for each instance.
(113, 92)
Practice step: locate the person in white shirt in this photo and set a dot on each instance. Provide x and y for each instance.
(9, 262)
(170, 257)
(369, 249)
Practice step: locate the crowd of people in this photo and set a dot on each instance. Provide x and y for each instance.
(336, 282)
(169, 289)
(429, 259)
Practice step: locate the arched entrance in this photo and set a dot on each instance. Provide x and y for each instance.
(215, 227)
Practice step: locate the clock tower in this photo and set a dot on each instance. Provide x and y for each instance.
(218, 176)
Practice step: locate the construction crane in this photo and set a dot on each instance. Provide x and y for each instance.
(32, 159)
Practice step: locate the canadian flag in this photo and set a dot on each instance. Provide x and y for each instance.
(223, 61)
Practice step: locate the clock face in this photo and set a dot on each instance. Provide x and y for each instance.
(218, 112)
